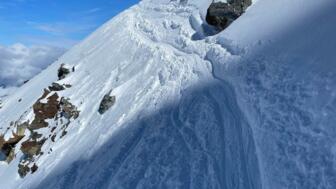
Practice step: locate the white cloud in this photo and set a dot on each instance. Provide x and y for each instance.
(55, 41)
(63, 28)
(19, 62)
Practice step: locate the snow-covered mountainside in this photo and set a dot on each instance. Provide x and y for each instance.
(150, 100)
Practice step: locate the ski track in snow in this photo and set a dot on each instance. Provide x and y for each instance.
(206, 113)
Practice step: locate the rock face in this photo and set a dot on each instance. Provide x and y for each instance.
(52, 113)
(107, 102)
(221, 15)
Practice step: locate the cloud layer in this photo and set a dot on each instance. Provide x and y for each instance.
(19, 62)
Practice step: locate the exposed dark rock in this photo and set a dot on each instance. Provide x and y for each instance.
(53, 129)
(23, 170)
(31, 148)
(7, 147)
(64, 132)
(46, 92)
(5, 152)
(240, 5)
(221, 15)
(21, 128)
(67, 85)
(53, 138)
(34, 168)
(56, 87)
(68, 109)
(107, 102)
(62, 72)
(35, 135)
(38, 124)
(47, 110)
(44, 111)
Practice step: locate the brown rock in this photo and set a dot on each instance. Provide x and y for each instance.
(47, 110)
(31, 148)
(46, 92)
(38, 124)
(7, 148)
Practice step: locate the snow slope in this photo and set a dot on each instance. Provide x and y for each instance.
(251, 107)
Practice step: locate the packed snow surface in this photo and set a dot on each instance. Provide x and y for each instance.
(251, 107)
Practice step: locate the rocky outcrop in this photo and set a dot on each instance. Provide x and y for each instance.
(23, 170)
(68, 110)
(32, 148)
(221, 15)
(34, 168)
(44, 111)
(7, 147)
(56, 87)
(62, 72)
(107, 102)
(52, 113)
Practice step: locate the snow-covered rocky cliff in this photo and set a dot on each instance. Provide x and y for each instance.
(250, 107)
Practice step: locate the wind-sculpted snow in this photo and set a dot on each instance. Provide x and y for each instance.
(202, 142)
(247, 108)
(286, 87)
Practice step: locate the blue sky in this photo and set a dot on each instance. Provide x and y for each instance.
(59, 23)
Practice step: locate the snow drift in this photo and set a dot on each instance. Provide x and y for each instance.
(251, 107)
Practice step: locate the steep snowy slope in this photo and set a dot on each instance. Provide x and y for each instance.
(251, 107)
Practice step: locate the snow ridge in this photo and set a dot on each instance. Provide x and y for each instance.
(231, 110)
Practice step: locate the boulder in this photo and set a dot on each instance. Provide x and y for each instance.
(47, 110)
(240, 5)
(56, 87)
(62, 72)
(221, 15)
(107, 102)
(68, 109)
(23, 170)
(31, 148)
(34, 168)
(7, 147)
